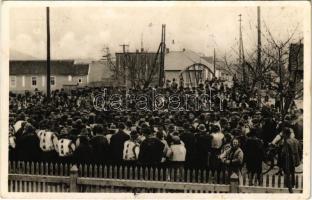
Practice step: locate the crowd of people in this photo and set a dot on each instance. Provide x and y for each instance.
(233, 133)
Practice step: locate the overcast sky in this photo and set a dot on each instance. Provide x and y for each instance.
(81, 32)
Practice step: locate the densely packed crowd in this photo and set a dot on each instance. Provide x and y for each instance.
(233, 132)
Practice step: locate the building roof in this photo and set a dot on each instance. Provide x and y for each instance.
(179, 60)
(38, 67)
(220, 65)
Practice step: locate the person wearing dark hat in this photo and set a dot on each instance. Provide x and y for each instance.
(254, 155)
(117, 144)
(83, 153)
(202, 147)
(100, 145)
(151, 149)
(290, 158)
(188, 138)
(268, 129)
(27, 145)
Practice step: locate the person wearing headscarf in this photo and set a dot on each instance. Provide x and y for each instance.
(233, 159)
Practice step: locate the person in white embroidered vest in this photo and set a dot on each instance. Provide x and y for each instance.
(216, 144)
(131, 148)
(176, 154)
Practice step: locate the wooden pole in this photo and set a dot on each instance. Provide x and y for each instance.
(48, 55)
(214, 62)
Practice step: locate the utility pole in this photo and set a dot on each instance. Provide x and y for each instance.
(162, 55)
(124, 47)
(241, 50)
(48, 55)
(142, 48)
(214, 62)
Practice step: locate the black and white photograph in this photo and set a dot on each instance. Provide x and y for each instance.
(156, 97)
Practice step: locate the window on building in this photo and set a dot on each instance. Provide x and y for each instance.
(34, 81)
(13, 81)
(52, 80)
(80, 80)
(70, 78)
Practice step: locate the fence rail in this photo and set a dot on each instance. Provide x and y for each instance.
(49, 177)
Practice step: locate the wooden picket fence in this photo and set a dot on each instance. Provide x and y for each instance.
(269, 184)
(49, 177)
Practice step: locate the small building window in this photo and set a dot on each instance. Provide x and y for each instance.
(34, 81)
(13, 81)
(70, 78)
(52, 80)
(80, 80)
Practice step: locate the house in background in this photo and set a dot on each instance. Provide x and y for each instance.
(222, 72)
(100, 74)
(187, 64)
(31, 74)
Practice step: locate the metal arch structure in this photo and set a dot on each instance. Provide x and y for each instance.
(196, 69)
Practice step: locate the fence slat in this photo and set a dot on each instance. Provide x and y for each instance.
(120, 176)
(101, 171)
(161, 174)
(273, 181)
(188, 176)
(279, 181)
(193, 176)
(85, 170)
(172, 178)
(66, 170)
(130, 172)
(221, 175)
(90, 171)
(199, 176)
(110, 173)
(52, 172)
(95, 171)
(296, 181)
(141, 173)
(156, 175)
(204, 176)
(151, 174)
(167, 175)
(105, 171)
(115, 172)
(282, 182)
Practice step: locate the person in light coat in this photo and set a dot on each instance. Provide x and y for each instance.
(233, 159)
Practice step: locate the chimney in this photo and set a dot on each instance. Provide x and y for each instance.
(167, 50)
(183, 49)
(137, 50)
(142, 49)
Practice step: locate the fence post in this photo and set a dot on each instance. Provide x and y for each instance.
(234, 183)
(73, 179)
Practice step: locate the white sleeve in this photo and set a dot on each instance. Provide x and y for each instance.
(277, 139)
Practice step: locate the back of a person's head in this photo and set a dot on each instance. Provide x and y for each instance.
(286, 132)
(160, 135)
